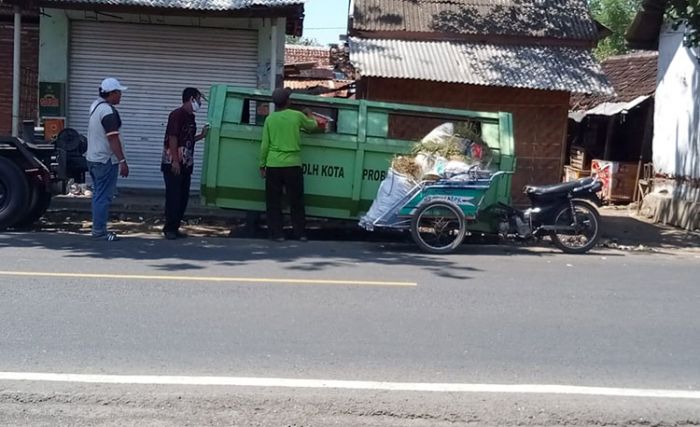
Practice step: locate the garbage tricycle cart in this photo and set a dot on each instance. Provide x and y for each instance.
(343, 165)
(440, 213)
(437, 213)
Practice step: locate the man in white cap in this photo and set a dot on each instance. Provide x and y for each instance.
(105, 154)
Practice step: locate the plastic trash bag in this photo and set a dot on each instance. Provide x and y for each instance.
(385, 208)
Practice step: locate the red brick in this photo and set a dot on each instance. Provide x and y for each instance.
(30, 61)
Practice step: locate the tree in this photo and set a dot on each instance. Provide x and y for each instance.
(686, 13)
(617, 15)
(302, 41)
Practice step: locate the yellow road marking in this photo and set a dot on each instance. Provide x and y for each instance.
(209, 279)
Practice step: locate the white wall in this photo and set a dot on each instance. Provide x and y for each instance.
(676, 146)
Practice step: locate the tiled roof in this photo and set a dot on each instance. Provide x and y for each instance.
(318, 73)
(562, 19)
(294, 54)
(632, 76)
(217, 5)
(533, 67)
(326, 88)
(307, 84)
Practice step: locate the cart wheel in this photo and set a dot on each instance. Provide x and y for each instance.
(438, 227)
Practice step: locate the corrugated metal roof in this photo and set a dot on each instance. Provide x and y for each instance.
(7, 9)
(533, 67)
(563, 19)
(188, 4)
(608, 108)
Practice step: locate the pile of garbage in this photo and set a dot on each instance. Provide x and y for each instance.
(79, 190)
(449, 152)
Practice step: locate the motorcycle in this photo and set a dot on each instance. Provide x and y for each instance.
(567, 213)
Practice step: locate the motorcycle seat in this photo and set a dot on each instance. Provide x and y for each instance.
(558, 188)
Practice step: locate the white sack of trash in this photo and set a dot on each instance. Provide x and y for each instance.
(392, 191)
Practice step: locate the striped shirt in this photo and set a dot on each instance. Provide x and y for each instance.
(104, 122)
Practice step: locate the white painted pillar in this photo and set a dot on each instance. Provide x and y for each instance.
(16, 71)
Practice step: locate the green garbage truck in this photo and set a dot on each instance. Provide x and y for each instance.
(345, 164)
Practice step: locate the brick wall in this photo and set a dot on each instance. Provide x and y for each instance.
(30, 62)
(539, 119)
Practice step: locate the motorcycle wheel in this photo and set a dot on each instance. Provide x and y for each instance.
(588, 228)
(438, 227)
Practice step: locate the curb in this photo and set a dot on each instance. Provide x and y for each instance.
(140, 206)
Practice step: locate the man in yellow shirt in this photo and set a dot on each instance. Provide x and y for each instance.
(280, 164)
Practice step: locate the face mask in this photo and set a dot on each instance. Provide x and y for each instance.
(195, 105)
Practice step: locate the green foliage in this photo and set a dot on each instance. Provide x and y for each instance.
(302, 41)
(686, 12)
(617, 15)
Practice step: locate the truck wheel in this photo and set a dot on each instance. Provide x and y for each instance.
(39, 202)
(14, 193)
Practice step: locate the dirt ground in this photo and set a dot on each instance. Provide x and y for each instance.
(212, 225)
(622, 228)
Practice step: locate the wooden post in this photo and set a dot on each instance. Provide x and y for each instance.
(646, 140)
(608, 137)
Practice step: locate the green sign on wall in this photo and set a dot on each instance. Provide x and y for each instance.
(52, 99)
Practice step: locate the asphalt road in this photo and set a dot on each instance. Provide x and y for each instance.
(352, 311)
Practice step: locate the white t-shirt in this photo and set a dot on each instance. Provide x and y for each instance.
(104, 121)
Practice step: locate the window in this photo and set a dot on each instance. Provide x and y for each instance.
(255, 111)
(415, 128)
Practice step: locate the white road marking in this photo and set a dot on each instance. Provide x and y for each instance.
(222, 279)
(350, 385)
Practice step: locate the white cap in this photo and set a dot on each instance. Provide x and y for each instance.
(111, 84)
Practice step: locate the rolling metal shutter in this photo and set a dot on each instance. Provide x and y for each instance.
(156, 62)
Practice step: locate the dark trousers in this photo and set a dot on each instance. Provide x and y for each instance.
(291, 181)
(177, 194)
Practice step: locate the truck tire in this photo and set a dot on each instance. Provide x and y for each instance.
(14, 193)
(39, 202)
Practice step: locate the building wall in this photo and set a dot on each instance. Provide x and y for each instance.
(29, 63)
(540, 119)
(53, 46)
(676, 146)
